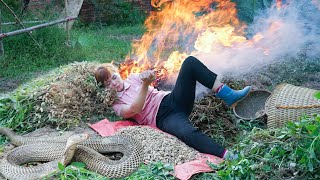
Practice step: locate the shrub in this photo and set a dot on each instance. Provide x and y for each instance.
(119, 12)
(284, 153)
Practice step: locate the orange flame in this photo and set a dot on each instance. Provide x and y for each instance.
(185, 27)
(278, 4)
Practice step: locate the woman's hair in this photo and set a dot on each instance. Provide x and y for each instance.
(104, 71)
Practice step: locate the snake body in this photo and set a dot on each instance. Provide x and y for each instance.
(53, 149)
(10, 165)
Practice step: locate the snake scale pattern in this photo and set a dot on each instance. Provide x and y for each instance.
(52, 150)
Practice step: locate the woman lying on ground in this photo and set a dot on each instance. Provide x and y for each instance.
(169, 111)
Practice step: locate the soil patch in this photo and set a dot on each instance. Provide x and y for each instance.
(7, 85)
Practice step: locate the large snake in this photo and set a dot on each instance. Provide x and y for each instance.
(60, 149)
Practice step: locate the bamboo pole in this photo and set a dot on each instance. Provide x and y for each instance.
(18, 20)
(25, 22)
(1, 42)
(3, 35)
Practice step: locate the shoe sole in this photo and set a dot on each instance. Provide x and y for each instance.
(234, 104)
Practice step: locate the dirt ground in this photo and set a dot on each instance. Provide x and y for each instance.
(7, 85)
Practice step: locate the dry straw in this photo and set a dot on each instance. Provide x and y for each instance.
(288, 103)
(73, 96)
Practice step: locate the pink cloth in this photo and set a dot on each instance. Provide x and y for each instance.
(183, 171)
(132, 86)
(186, 170)
(107, 128)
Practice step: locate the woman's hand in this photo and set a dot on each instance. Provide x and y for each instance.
(147, 76)
(137, 105)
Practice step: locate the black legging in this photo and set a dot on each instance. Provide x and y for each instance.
(175, 108)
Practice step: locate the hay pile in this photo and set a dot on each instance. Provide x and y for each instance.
(212, 118)
(72, 96)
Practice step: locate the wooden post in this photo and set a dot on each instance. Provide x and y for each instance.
(68, 42)
(1, 42)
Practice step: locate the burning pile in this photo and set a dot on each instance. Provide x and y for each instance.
(168, 41)
(211, 31)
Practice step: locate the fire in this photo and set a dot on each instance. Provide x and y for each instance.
(278, 4)
(181, 28)
(217, 36)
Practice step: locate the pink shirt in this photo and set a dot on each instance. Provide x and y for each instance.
(132, 86)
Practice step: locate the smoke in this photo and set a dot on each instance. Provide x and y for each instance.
(284, 32)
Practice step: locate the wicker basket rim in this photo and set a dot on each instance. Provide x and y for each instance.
(262, 114)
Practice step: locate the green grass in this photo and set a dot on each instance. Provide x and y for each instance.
(24, 60)
(106, 44)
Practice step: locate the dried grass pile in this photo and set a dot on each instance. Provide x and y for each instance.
(212, 117)
(72, 96)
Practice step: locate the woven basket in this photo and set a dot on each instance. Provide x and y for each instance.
(252, 106)
(288, 103)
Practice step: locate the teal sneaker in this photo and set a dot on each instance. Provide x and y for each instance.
(232, 97)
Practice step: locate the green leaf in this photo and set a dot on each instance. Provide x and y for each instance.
(303, 160)
(310, 167)
(79, 164)
(252, 177)
(168, 166)
(266, 168)
(312, 155)
(282, 152)
(282, 136)
(69, 171)
(292, 126)
(61, 166)
(62, 177)
(311, 128)
(317, 95)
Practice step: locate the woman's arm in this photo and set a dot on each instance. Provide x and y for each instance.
(128, 111)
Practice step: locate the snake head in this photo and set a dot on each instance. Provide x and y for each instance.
(71, 146)
(81, 137)
(77, 138)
